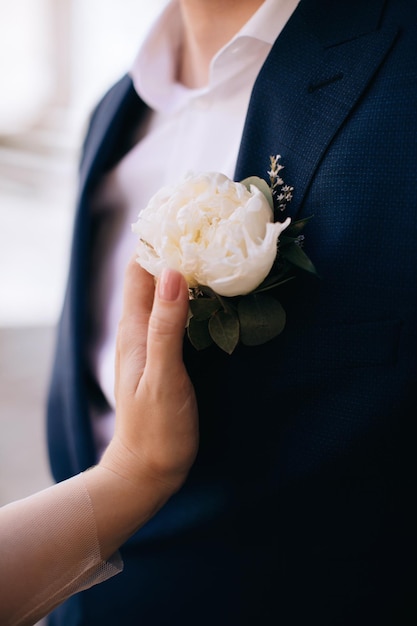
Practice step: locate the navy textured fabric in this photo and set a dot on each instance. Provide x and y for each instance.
(299, 509)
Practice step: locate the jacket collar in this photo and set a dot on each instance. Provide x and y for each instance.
(315, 74)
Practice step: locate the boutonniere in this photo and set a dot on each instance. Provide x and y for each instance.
(233, 243)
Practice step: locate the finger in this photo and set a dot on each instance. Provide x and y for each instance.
(138, 294)
(167, 322)
(138, 290)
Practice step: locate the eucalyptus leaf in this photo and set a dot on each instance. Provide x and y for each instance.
(284, 241)
(296, 228)
(203, 308)
(262, 185)
(295, 255)
(272, 283)
(224, 330)
(198, 334)
(261, 318)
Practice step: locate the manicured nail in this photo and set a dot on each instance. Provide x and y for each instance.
(169, 285)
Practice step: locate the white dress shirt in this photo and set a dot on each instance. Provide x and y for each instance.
(188, 129)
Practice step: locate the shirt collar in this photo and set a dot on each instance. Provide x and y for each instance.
(159, 51)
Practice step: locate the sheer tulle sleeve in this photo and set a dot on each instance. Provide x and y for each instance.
(48, 551)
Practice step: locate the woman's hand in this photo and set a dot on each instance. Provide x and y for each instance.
(156, 436)
(59, 538)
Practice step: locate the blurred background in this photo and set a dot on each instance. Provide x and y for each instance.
(56, 58)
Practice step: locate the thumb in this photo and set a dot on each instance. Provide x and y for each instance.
(167, 322)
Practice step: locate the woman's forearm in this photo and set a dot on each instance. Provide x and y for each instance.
(49, 550)
(65, 539)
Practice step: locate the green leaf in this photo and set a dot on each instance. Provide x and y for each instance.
(273, 283)
(295, 228)
(295, 255)
(261, 318)
(262, 185)
(224, 330)
(203, 308)
(198, 334)
(285, 241)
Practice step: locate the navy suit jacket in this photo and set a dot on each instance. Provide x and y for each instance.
(299, 509)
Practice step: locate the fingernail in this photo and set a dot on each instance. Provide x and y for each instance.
(169, 285)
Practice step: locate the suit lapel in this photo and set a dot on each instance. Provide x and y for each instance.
(110, 131)
(108, 139)
(315, 74)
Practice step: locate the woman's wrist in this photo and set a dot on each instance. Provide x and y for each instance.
(122, 506)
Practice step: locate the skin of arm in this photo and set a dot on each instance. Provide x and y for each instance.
(57, 542)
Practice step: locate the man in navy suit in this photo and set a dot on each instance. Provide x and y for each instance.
(300, 507)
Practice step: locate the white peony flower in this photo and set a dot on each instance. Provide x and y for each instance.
(214, 231)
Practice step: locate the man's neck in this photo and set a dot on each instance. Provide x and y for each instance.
(208, 26)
